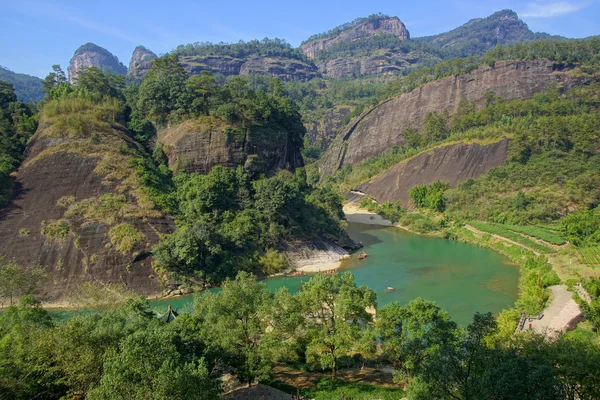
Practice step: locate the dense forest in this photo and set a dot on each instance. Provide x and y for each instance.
(266, 47)
(125, 352)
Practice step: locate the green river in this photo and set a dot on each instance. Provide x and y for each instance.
(461, 278)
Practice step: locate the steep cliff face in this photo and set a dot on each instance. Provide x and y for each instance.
(365, 30)
(92, 55)
(140, 63)
(326, 128)
(286, 69)
(80, 213)
(454, 164)
(381, 127)
(198, 145)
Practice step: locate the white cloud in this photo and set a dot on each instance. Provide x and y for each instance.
(548, 9)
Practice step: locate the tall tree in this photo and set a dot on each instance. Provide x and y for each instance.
(335, 310)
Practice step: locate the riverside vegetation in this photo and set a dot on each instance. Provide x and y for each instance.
(231, 221)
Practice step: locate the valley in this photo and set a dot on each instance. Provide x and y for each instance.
(236, 184)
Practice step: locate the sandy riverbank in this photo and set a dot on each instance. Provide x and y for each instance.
(361, 216)
(322, 267)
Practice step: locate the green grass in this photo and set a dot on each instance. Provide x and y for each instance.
(589, 255)
(331, 390)
(501, 230)
(552, 237)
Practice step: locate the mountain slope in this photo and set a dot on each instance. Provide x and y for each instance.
(28, 88)
(481, 34)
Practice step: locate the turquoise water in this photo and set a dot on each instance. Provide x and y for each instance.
(461, 278)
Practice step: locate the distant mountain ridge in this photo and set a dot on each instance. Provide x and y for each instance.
(28, 88)
(481, 34)
(375, 45)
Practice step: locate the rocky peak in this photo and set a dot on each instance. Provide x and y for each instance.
(360, 29)
(140, 63)
(92, 55)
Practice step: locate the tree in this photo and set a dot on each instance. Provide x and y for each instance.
(54, 79)
(436, 126)
(335, 312)
(411, 334)
(203, 90)
(148, 365)
(412, 138)
(235, 321)
(17, 281)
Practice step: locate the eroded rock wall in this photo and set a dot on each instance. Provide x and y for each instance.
(381, 127)
(453, 163)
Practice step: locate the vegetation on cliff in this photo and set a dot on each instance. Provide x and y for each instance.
(265, 47)
(17, 124)
(27, 88)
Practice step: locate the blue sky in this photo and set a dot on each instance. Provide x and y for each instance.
(34, 34)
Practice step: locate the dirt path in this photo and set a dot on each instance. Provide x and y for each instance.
(560, 314)
(477, 231)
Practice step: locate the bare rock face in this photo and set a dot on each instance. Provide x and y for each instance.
(370, 28)
(381, 127)
(286, 69)
(198, 145)
(140, 63)
(454, 164)
(92, 55)
(76, 208)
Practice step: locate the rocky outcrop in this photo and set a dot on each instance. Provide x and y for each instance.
(198, 145)
(316, 252)
(140, 63)
(287, 69)
(92, 55)
(381, 127)
(385, 63)
(453, 163)
(371, 27)
(80, 214)
(327, 127)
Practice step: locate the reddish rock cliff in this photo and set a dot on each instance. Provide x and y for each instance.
(454, 164)
(71, 193)
(198, 145)
(381, 127)
(370, 28)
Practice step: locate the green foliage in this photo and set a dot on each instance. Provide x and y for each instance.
(227, 221)
(17, 124)
(430, 196)
(266, 47)
(503, 231)
(125, 237)
(17, 281)
(234, 320)
(56, 231)
(329, 389)
(273, 262)
(537, 232)
(334, 311)
(536, 275)
(28, 88)
(582, 227)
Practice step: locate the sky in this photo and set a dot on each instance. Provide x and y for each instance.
(35, 34)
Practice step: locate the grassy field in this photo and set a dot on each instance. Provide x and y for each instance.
(547, 235)
(501, 230)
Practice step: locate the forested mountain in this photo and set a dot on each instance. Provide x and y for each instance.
(482, 34)
(28, 88)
